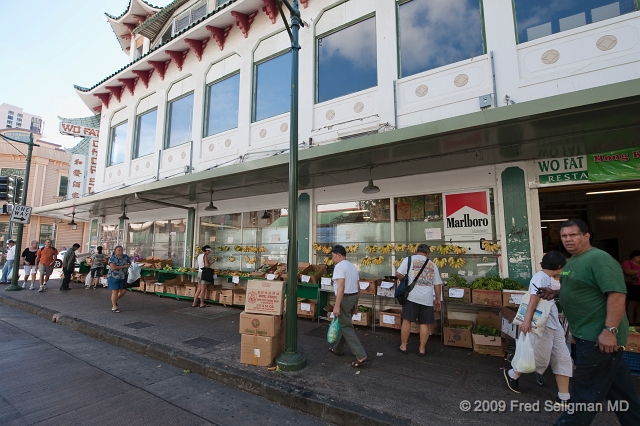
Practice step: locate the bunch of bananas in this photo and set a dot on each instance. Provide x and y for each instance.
(224, 248)
(352, 249)
(328, 261)
(232, 259)
(459, 250)
(321, 248)
(398, 262)
(264, 259)
(444, 249)
(440, 262)
(386, 249)
(490, 247)
(372, 260)
(433, 248)
(400, 247)
(262, 249)
(413, 248)
(237, 248)
(371, 249)
(248, 259)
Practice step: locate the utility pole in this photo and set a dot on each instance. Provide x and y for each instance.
(291, 359)
(18, 247)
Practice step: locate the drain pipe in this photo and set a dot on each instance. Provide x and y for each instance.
(191, 226)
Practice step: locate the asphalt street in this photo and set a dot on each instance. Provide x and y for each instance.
(51, 375)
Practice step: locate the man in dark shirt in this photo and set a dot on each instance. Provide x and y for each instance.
(29, 261)
(68, 266)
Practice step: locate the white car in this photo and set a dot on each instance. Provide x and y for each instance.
(59, 259)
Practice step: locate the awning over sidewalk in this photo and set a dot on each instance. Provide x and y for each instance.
(588, 121)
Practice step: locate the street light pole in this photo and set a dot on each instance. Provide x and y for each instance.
(291, 359)
(18, 247)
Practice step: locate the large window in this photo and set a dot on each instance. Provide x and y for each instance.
(62, 186)
(145, 140)
(179, 121)
(347, 60)
(47, 232)
(117, 144)
(223, 98)
(272, 87)
(162, 238)
(434, 33)
(541, 18)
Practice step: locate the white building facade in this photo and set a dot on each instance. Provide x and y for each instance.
(13, 117)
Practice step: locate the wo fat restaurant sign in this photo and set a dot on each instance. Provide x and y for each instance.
(73, 130)
(562, 170)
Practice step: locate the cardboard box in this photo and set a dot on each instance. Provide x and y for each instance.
(361, 318)
(169, 289)
(458, 337)
(303, 267)
(272, 267)
(368, 286)
(486, 297)
(239, 296)
(190, 290)
(260, 351)
(213, 292)
(509, 330)
(307, 308)
(456, 294)
(512, 297)
(226, 297)
(172, 281)
(265, 297)
(318, 272)
(489, 345)
(383, 288)
(181, 290)
(633, 343)
(391, 318)
(433, 328)
(508, 313)
(261, 325)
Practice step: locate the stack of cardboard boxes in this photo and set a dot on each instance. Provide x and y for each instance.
(262, 323)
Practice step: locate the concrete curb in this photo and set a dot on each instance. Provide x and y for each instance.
(322, 406)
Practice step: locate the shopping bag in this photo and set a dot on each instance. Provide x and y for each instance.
(540, 316)
(334, 331)
(133, 273)
(87, 281)
(524, 360)
(208, 275)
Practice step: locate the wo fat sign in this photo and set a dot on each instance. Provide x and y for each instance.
(560, 170)
(81, 131)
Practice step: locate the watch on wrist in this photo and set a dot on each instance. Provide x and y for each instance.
(612, 330)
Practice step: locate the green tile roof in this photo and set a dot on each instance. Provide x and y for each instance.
(91, 121)
(193, 24)
(81, 147)
(129, 8)
(152, 26)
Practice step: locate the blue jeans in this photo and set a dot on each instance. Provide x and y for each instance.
(5, 270)
(600, 378)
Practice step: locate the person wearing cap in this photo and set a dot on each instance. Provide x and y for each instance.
(201, 291)
(68, 266)
(8, 265)
(345, 287)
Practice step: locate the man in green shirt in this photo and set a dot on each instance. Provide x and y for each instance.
(593, 296)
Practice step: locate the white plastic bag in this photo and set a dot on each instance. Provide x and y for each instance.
(524, 361)
(540, 316)
(134, 273)
(87, 281)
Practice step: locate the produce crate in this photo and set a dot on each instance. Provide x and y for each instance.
(633, 361)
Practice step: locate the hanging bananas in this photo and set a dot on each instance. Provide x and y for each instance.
(328, 261)
(398, 262)
(352, 249)
(367, 261)
(400, 247)
(386, 249)
(232, 259)
(490, 247)
(371, 249)
(413, 248)
(459, 250)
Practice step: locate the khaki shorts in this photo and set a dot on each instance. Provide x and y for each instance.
(551, 350)
(45, 270)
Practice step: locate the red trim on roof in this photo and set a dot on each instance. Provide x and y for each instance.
(198, 46)
(116, 90)
(144, 76)
(270, 9)
(244, 21)
(305, 3)
(160, 67)
(104, 97)
(129, 83)
(219, 34)
(177, 56)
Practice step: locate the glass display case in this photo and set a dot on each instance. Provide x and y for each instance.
(161, 238)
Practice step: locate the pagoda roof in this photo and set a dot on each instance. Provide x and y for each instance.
(137, 12)
(81, 147)
(152, 26)
(91, 121)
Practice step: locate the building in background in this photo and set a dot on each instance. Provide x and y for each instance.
(48, 184)
(13, 117)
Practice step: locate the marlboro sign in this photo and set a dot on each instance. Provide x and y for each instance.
(467, 216)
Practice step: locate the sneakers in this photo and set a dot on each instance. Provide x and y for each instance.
(560, 405)
(31, 287)
(24, 285)
(539, 378)
(86, 287)
(512, 383)
(44, 286)
(41, 289)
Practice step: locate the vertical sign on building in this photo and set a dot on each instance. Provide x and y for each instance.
(76, 176)
(93, 163)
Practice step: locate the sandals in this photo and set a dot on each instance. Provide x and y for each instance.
(360, 364)
(204, 306)
(194, 306)
(115, 311)
(403, 351)
(334, 352)
(422, 353)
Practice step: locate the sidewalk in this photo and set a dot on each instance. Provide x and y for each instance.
(393, 389)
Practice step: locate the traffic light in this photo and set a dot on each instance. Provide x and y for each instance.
(19, 192)
(11, 189)
(4, 186)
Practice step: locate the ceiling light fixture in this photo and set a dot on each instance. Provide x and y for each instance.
(554, 220)
(266, 215)
(370, 188)
(124, 214)
(612, 191)
(211, 207)
(73, 223)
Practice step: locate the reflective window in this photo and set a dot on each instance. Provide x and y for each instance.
(179, 121)
(117, 144)
(62, 186)
(347, 60)
(434, 33)
(145, 134)
(273, 87)
(535, 19)
(223, 98)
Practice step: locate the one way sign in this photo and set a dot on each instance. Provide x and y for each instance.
(21, 214)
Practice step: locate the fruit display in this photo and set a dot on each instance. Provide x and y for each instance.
(353, 248)
(371, 249)
(224, 248)
(490, 247)
(509, 284)
(321, 248)
(363, 309)
(328, 261)
(398, 262)
(232, 259)
(413, 248)
(400, 247)
(248, 259)
(167, 268)
(372, 261)
(386, 249)
(237, 248)
(459, 326)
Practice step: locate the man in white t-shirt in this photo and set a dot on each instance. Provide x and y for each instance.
(345, 286)
(420, 303)
(8, 265)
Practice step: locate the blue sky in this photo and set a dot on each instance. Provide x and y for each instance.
(48, 46)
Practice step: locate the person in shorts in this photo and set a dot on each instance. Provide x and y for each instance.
(29, 261)
(97, 263)
(201, 291)
(45, 259)
(420, 303)
(116, 278)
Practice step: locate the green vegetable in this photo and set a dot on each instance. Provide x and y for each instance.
(460, 326)
(487, 330)
(456, 280)
(487, 283)
(509, 284)
(363, 309)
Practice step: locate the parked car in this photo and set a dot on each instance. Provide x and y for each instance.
(60, 258)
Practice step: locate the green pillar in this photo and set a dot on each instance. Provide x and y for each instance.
(304, 226)
(516, 225)
(191, 226)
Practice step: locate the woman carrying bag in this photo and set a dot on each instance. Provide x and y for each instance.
(116, 279)
(547, 340)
